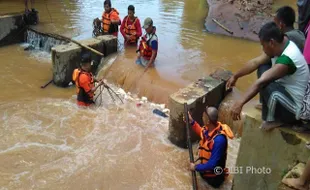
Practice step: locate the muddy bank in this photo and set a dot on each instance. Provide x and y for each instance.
(243, 18)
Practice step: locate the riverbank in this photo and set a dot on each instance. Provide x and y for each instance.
(243, 18)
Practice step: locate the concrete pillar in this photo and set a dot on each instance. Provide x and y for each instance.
(207, 91)
(67, 57)
(12, 29)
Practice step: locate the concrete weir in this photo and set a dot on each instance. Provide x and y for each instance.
(66, 58)
(265, 157)
(207, 91)
(12, 29)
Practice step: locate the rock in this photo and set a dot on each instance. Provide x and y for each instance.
(120, 91)
(295, 172)
(29, 47)
(167, 111)
(162, 106)
(144, 99)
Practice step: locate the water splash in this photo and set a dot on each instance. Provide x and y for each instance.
(41, 42)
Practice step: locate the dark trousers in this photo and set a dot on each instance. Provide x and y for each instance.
(278, 104)
(215, 182)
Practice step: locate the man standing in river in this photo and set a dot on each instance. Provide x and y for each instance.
(282, 85)
(148, 47)
(212, 148)
(85, 83)
(131, 27)
(110, 19)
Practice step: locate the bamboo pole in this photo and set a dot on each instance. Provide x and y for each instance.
(58, 36)
(190, 149)
(226, 29)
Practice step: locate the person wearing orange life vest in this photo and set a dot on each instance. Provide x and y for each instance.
(110, 19)
(148, 47)
(212, 148)
(131, 27)
(85, 83)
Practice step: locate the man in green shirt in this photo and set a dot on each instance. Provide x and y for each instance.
(282, 86)
(285, 18)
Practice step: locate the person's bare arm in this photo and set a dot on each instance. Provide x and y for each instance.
(151, 61)
(276, 72)
(115, 21)
(248, 68)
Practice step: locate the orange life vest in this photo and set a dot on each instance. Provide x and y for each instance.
(82, 95)
(206, 145)
(145, 47)
(107, 26)
(131, 30)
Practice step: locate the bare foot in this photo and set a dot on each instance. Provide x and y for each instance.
(308, 145)
(259, 106)
(269, 125)
(295, 183)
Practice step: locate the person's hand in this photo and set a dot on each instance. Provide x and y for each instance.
(148, 66)
(231, 82)
(127, 37)
(236, 110)
(191, 166)
(190, 118)
(101, 82)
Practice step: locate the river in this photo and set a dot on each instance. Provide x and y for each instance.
(47, 142)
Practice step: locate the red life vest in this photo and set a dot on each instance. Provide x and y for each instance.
(131, 30)
(107, 26)
(145, 47)
(82, 95)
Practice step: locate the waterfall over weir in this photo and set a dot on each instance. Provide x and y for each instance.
(41, 42)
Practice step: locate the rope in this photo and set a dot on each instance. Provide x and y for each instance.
(100, 92)
(48, 11)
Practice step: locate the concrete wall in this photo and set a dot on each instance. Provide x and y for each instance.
(277, 150)
(12, 29)
(208, 91)
(66, 58)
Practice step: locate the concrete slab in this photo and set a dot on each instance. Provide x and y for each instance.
(278, 150)
(207, 91)
(67, 57)
(12, 29)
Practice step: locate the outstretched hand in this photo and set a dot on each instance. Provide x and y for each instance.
(101, 82)
(231, 82)
(236, 110)
(190, 118)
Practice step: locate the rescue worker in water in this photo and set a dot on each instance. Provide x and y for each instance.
(85, 83)
(212, 149)
(131, 27)
(148, 47)
(110, 19)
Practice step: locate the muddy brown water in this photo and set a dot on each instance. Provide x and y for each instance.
(48, 143)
